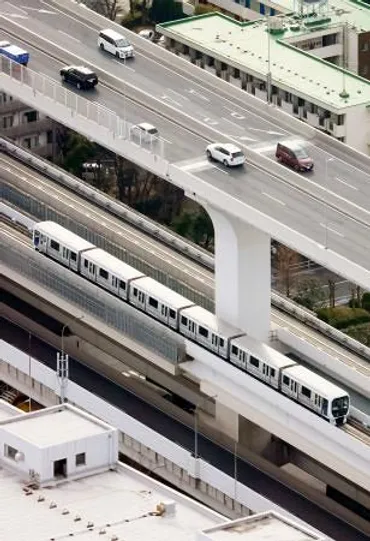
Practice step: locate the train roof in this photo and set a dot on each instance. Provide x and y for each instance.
(62, 235)
(113, 264)
(161, 292)
(263, 352)
(315, 382)
(211, 322)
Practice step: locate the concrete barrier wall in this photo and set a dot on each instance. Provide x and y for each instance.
(325, 362)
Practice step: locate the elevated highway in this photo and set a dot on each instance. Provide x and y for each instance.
(46, 199)
(322, 217)
(242, 403)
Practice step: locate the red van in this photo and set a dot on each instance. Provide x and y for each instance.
(294, 154)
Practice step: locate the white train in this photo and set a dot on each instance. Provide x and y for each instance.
(231, 344)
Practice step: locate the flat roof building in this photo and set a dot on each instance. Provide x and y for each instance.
(106, 499)
(301, 57)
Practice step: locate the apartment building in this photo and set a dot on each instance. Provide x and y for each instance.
(295, 60)
(27, 127)
(344, 35)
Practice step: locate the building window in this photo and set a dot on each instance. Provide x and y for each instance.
(10, 452)
(27, 142)
(7, 122)
(31, 116)
(49, 137)
(364, 69)
(364, 47)
(81, 459)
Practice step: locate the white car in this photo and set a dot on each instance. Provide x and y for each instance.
(144, 132)
(225, 153)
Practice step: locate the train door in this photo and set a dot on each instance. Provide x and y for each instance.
(164, 314)
(65, 256)
(265, 372)
(293, 388)
(214, 342)
(91, 270)
(122, 289)
(317, 402)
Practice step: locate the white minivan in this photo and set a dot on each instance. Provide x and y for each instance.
(114, 43)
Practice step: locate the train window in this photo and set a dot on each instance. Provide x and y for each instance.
(135, 291)
(222, 342)
(172, 314)
(253, 361)
(86, 263)
(325, 406)
(103, 273)
(122, 284)
(272, 372)
(306, 392)
(153, 302)
(184, 320)
(286, 380)
(234, 350)
(73, 256)
(202, 331)
(54, 245)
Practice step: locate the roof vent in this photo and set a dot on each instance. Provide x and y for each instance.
(102, 531)
(90, 524)
(114, 538)
(52, 505)
(77, 518)
(41, 498)
(166, 508)
(65, 512)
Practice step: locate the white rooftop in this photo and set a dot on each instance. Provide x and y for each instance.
(122, 502)
(7, 410)
(262, 527)
(54, 426)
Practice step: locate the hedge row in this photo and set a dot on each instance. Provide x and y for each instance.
(342, 317)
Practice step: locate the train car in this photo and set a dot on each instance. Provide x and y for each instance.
(316, 393)
(157, 300)
(14, 53)
(206, 329)
(259, 360)
(107, 271)
(60, 244)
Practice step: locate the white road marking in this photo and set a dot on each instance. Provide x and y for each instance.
(346, 183)
(219, 169)
(167, 98)
(326, 226)
(233, 123)
(177, 94)
(196, 165)
(209, 121)
(16, 7)
(192, 91)
(68, 36)
(270, 132)
(265, 148)
(44, 11)
(246, 138)
(236, 115)
(123, 64)
(273, 198)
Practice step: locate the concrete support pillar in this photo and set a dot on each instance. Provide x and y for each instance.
(243, 274)
(228, 73)
(243, 79)
(202, 60)
(193, 56)
(218, 68)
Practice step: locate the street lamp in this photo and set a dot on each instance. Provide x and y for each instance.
(327, 161)
(63, 364)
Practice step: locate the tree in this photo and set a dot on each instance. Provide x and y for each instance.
(286, 260)
(108, 8)
(310, 294)
(166, 10)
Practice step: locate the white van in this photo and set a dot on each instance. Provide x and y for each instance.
(114, 43)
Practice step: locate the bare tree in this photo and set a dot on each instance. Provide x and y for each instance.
(286, 259)
(108, 8)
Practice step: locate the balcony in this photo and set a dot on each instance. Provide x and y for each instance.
(28, 128)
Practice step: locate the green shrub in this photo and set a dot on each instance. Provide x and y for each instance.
(131, 20)
(365, 301)
(342, 317)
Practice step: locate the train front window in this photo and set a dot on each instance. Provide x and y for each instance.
(340, 406)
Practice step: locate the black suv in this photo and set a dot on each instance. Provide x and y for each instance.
(79, 76)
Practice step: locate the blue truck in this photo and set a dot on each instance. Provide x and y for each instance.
(18, 55)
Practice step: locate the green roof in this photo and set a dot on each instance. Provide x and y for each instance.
(245, 46)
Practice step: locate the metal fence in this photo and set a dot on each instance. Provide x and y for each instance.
(79, 292)
(41, 211)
